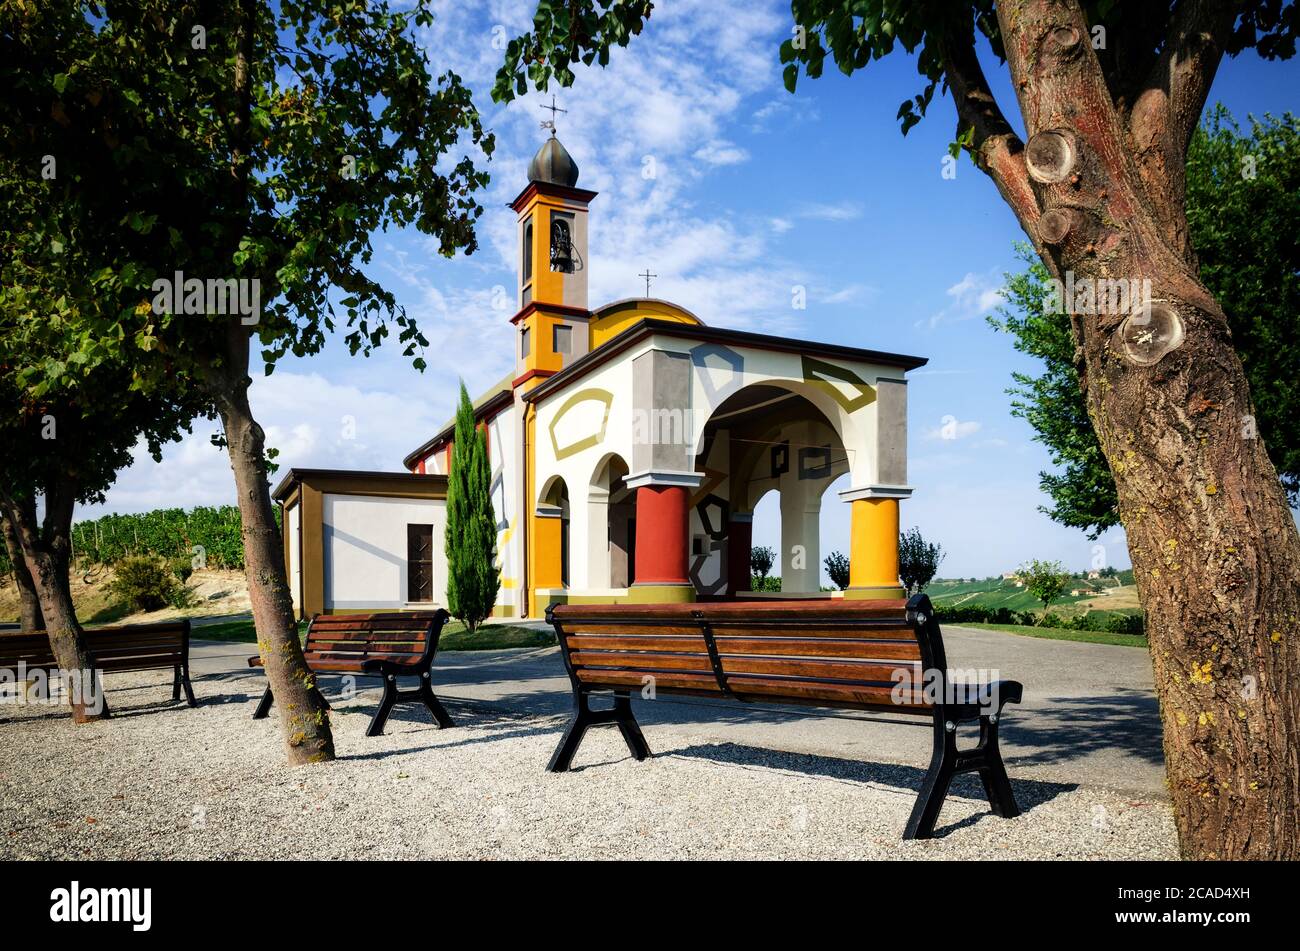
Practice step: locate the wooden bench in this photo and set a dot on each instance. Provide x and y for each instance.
(391, 645)
(858, 655)
(113, 650)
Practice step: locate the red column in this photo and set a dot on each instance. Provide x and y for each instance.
(662, 547)
(740, 538)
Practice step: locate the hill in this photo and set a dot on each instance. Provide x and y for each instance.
(1098, 594)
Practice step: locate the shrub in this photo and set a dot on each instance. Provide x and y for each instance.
(837, 568)
(765, 583)
(182, 567)
(143, 584)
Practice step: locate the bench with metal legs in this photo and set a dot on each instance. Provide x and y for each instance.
(388, 646)
(884, 655)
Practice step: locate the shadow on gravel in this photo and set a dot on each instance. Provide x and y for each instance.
(1073, 727)
(1029, 792)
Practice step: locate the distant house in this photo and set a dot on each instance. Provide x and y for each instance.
(1093, 575)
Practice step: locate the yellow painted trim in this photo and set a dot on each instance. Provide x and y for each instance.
(591, 394)
(873, 546)
(312, 521)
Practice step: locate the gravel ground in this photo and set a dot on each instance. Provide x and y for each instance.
(161, 781)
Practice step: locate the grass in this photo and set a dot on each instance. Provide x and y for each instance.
(1061, 634)
(454, 636)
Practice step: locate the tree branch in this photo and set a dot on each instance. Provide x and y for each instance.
(1165, 112)
(994, 144)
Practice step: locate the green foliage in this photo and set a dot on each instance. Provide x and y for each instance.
(837, 569)
(918, 560)
(761, 560)
(1109, 622)
(144, 584)
(1247, 235)
(344, 130)
(764, 583)
(164, 533)
(473, 578)
(1045, 580)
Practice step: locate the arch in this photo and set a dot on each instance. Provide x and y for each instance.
(832, 411)
(778, 436)
(611, 525)
(551, 534)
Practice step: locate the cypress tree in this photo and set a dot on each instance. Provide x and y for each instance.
(471, 534)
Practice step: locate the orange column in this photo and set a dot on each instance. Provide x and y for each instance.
(873, 557)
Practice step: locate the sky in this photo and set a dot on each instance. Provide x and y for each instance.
(735, 193)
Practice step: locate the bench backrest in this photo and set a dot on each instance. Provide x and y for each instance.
(839, 653)
(409, 637)
(124, 647)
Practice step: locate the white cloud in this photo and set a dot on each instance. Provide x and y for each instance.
(825, 211)
(721, 152)
(950, 429)
(975, 295)
(312, 421)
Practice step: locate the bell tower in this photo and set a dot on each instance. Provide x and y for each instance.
(552, 316)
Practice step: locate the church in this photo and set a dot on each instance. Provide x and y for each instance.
(628, 448)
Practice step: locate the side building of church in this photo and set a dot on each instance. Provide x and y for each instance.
(628, 448)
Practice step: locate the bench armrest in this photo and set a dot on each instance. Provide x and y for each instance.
(255, 661)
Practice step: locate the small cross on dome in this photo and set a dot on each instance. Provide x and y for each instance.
(553, 108)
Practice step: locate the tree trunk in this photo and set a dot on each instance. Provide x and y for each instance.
(46, 551)
(1214, 547)
(304, 716)
(30, 617)
(1217, 563)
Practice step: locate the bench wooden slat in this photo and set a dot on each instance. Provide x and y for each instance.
(843, 630)
(819, 647)
(642, 660)
(674, 644)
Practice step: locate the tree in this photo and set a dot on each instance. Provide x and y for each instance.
(918, 560)
(837, 568)
(761, 560)
(247, 149)
(65, 435)
(66, 449)
(29, 614)
(1110, 94)
(473, 578)
(1243, 210)
(1045, 580)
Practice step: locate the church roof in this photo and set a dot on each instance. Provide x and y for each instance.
(553, 165)
(741, 338)
(501, 393)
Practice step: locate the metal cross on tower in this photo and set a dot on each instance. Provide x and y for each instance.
(553, 108)
(647, 275)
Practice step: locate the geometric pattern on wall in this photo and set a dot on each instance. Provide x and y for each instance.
(731, 371)
(714, 522)
(780, 458)
(711, 585)
(826, 376)
(814, 462)
(589, 434)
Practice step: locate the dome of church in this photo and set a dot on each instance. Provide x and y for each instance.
(553, 164)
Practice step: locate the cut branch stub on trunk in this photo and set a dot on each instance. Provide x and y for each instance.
(1051, 156)
(1057, 224)
(1149, 335)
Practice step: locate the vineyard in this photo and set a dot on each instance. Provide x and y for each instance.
(209, 534)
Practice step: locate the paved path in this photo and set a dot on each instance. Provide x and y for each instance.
(1089, 714)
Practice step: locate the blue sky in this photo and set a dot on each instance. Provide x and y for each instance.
(754, 191)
